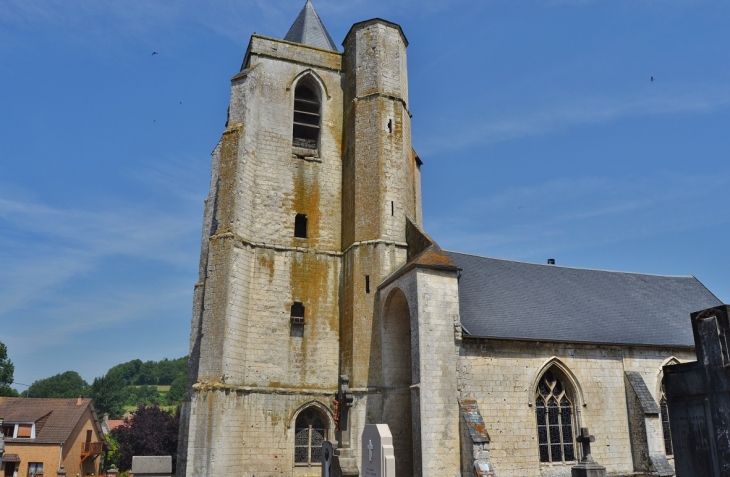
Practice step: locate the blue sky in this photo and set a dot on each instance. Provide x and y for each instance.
(541, 133)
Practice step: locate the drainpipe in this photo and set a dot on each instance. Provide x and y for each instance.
(60, 455)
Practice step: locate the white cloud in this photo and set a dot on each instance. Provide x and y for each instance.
(569, 214)
(570, 112)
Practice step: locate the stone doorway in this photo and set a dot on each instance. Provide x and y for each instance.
(398, 377)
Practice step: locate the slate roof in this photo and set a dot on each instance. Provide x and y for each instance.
(646, 400)
(54, 418)
(517, 300)
(308, 29)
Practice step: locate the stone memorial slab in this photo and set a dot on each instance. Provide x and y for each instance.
(151, 466)
(378, 457)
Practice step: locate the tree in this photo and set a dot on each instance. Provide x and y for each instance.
(151, 431)
(147, 373)
(128, 370)
(7, 370)
(114, 454)
(142, 395)
(65, 385)
(108, 394)
(177, 390)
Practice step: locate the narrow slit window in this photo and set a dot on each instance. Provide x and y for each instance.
(392, 208)
(390, 126)
(297, 313)
(367, 283)
(300, 226)
(307, 110)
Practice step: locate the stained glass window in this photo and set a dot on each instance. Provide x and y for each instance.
(665, 423)
(554, 413)
(310, 433)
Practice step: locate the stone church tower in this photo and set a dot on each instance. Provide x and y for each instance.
(314, 201)
(322, 306)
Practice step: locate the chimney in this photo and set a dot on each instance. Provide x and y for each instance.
(551, 261)
(79, 401)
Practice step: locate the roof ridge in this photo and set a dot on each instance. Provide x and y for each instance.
(574, 268)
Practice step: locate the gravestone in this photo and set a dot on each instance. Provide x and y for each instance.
(698, 399)
(151, 466)
(378, 458)
(328, 460)
(587, 467)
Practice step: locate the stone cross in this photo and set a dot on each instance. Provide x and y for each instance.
(585, 440)
(370, 450)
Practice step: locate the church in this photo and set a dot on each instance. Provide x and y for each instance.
(323, 305)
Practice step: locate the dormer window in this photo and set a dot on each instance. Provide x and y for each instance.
(19, 430)
(307, 109)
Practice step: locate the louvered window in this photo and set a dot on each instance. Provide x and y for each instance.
(307, 109)
(554, 421)
(310, 434)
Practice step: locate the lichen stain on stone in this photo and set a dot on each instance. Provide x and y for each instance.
(226, 203)
(307, 199)
(267, 260)
(310, 283)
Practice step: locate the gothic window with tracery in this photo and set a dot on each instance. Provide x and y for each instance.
(310, 433)
(554, 412)
(665, 423)
(307, 110)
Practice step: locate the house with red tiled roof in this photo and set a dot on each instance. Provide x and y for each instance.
(41, 435)
(108, 425)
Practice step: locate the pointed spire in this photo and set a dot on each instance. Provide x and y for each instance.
(309, 29)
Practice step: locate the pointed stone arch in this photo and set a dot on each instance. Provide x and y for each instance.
(323, 409)
(398, 376)
(660, 374)
(309, 72)
(565, 372)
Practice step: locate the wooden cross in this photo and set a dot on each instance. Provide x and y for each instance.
(585, 440)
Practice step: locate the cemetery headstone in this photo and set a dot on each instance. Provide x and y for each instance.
(151, 466)
(328, 458)
(587, 467)
(698, 399)
(378, 457)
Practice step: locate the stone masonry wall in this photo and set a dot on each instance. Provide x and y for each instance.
(433, 303)
(246, 357)
(500, 376)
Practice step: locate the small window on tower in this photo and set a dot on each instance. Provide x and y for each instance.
(307, 108)
(297, 313)
(300, 226)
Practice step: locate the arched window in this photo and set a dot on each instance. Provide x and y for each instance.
(310, 433)
(307, 110)
(297, 313)
(554, 412)
(665, 423)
